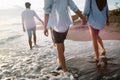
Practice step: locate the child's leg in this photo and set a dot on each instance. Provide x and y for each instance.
(30, 38)
(34, 35)
(30, 42)
(94, 35)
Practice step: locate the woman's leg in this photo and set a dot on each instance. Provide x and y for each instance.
(103, 52)
(94, 34)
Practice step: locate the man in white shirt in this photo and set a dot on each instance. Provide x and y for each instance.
(29, 22)
(57, 17)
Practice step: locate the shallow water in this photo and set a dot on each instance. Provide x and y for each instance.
(18, 62)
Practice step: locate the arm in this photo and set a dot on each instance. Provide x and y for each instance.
(23, 27)
(46, 17)
(107, 22)
(72, 5)
(77, 11)
(87, 8)
(38, 17)
(107, 13)
(23, 24)
(47, 11)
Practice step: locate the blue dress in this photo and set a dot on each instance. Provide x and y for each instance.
(97, 19)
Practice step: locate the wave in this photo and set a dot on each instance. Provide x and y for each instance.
(11, 24)
(3, 41)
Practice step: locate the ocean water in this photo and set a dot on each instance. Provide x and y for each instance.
(8, 34)
(14, 40)
(11, 28)
(10, 19)
(10, 23)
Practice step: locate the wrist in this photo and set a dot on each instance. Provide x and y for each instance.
(45, 27)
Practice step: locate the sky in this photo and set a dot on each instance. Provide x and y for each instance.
(7, 4)
(11, 9)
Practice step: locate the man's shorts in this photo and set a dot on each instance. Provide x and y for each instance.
(31, 31)
(58, 37)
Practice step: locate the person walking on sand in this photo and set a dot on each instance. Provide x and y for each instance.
(97, 16)
(28, 21)
(57, 18)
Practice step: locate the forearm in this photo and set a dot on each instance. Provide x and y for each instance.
(107, 21)
(46, 17)
(41, 21)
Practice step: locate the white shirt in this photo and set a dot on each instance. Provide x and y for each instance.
(28, 18)
(59, 16)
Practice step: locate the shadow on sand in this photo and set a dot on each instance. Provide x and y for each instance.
(86, 69)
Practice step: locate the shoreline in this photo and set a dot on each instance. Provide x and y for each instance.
(20, 63)
(78, 32)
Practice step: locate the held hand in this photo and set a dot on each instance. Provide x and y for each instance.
(84, 21)
(46, 32)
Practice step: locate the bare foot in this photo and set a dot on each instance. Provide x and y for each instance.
(103, 53)
(102, 61)
(96, 59)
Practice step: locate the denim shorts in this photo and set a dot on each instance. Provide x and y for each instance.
(31, 31)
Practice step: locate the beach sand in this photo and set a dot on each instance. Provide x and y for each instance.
(17, 62)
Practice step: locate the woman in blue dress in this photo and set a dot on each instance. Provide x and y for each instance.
(97, 17)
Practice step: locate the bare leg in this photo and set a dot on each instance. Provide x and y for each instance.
(103, 52)
(94, 35)
(34, 36)
(60, 49)
(30, 42)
